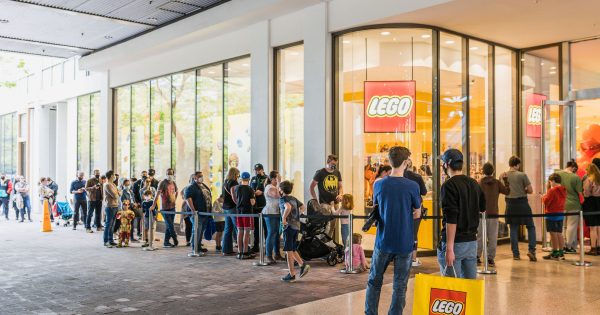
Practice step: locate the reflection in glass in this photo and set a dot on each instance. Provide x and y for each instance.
(452, 97)
(237, 116)
(184, 110)
(585, 69)
(290, 116)
(209, 126)
(140, 128)
(8, 144)
(83, 133)
(160, 141)
(123, 128)
(479, 91)
(94, 133)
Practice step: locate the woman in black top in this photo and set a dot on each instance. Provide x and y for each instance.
(229, 208)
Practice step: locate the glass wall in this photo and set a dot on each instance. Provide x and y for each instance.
(385, 97)
(290, 116)
(88, 132)
(585, 68)
(198, 119)
(8, 144)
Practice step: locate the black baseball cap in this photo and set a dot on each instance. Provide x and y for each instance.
(258, 166)
(451, 156)
(151, 172)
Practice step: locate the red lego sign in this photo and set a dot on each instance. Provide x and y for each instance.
(390, 106)
(534, 114)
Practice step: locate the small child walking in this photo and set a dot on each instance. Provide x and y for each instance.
(291, 208)
(554, 202)
(219, 221)
(126, 217)
(359, 262)
(345, 210)
(146, 205)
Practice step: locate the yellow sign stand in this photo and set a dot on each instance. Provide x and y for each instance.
(46, 224)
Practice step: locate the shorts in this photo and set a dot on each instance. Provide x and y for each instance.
(290, 239)
(244, 222)
(554, 226)
(220, 226)
(147, 222)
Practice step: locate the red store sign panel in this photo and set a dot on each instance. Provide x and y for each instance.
(534, 114)
(390, 106)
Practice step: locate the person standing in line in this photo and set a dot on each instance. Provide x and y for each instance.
(22, 187)
(328, 180)
(399, 204)
(554, 202)
(574, 187)
(291, 208)
(245, 200)
(257, 183)
(517, 204)
(591, 192)
(461, 201)
(197, 201)
(111, 198)
(54, 186)
(382, 172)
(167, 192)
(492, 188)
(93, 187)
(129, 196)
(217, 207)
(137, 196)
(46, 194)
(5, 191)
(273, 223)
(79, 199)
(229, 208)
(410, 174)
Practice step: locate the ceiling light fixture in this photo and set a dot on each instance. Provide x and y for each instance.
(449, 42)
(552, 72)
(346, 41)
(385, 33)
(108, 37)
(4, 21)
(474, 48)
(152, 19)
(425, 36)
(552, 68)
(245, 65)
(541, 64)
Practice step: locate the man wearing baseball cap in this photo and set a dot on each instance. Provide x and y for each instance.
(244, 198)
(258, 184)
(462, 200)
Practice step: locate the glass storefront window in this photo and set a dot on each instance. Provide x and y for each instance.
(585, 69)
(140, 128)
(209, 126)
(83, 133)
(479, 106)
(237, 115)
(184, 112)
(94, 132)
(290, 116)
(160, 128)
(452, 96)
(123, 129)
(8, 144)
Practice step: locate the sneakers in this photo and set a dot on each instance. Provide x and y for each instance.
(289, 278)
(271, 261)
(491, 263)
(516, 257)
(119, 245)
(145, 244)
(570, 251)
(531, 256)
(175, 242)
(204, 250)
(219, 248)
(304, 270)
(168, 245)
(553, 256)
(416, 263)
(89, 231)
(108, 245)
(99, 229)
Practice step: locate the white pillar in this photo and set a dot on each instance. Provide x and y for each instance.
(40, 149)
(106, 125)
(317, 100)
(261, 109)
(62, 172)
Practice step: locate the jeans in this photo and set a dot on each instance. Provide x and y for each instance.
(109, 222)
(465, 262)
(230, 226)
(199, 231)
(26, 205)
(345, 233)
(80, 205)
(94, 208)
(492, 238)
(188, 228)
(4, 204)
(570, 229)
(379, 263)
(514, 238)
(272, 236)
(170, 227)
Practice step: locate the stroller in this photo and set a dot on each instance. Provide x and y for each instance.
(315, 242)
(62, 210)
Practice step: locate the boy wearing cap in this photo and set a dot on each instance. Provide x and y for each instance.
(245, 199)
(462, 200)
(258, 184)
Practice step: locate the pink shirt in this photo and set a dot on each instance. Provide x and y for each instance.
(358, 256)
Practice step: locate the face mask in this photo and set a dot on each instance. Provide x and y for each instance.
(97, 176)
(126, 186)
(333, 166)
(200, 180)
(171, 177)
(2, 177)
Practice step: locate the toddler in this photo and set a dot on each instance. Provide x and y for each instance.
(359, 262)
(146, 205)
(219, 221)
(345, 210)
(126, 217)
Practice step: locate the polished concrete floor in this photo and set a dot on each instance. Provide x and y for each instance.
(519, 287)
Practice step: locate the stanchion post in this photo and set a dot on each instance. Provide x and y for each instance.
(196, 251)
(581, 261)
(484, 240)
(350, 269)
(261, 242)
(150, 232)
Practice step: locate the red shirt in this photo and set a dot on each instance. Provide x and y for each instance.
(554, 200)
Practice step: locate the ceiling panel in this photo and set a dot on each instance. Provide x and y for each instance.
(88, 24)
(39, 49)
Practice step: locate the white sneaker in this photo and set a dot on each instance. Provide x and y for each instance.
(416, 263)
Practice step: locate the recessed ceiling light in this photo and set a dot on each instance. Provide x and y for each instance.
(449, 42)
(474, 48)
(211, 72)
(522, 59)
(346, 41)
(541, 63)
(152, 19)
(4, 21)
(425, 36)
(108, 37)
(552, 72)
(552, 68)
(245, 65)
(385, 33)
(294, 53)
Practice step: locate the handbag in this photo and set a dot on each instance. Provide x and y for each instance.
(211, 228)
(448, 295)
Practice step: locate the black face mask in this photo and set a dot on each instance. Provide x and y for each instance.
(97, 176)
(2, 177)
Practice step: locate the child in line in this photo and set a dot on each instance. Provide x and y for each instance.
(359, 262)
(345, 210)
(148, 195)
(244, 199)
(126, 217)
(291, 208)
(219, 221)
(554, 202)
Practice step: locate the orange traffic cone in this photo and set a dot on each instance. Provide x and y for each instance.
(46, 225)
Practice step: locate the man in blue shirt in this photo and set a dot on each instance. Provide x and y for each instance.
(79, 198)
(399, 204)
